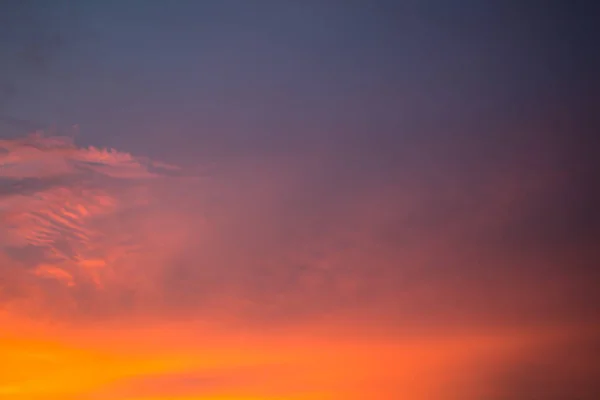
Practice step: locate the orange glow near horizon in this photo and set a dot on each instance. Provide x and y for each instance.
(111, 366)
(183, 361)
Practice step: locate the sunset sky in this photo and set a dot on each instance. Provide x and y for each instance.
(299, 200)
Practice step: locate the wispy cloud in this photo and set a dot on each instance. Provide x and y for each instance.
(63, 208)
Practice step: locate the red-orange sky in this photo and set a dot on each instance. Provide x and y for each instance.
(312, 201)
(129, 279)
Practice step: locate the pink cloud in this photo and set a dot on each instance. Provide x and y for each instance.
(70, 214)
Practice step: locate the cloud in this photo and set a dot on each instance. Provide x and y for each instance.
(39, 156)
(63, 208)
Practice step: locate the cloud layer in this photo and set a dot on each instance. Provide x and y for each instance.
(65, 211)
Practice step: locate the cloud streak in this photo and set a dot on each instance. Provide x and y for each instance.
(61, 207)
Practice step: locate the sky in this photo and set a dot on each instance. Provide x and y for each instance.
(317, 199)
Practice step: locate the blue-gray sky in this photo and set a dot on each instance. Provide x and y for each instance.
(235, 77)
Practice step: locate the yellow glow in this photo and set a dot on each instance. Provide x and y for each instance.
(107, 364)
